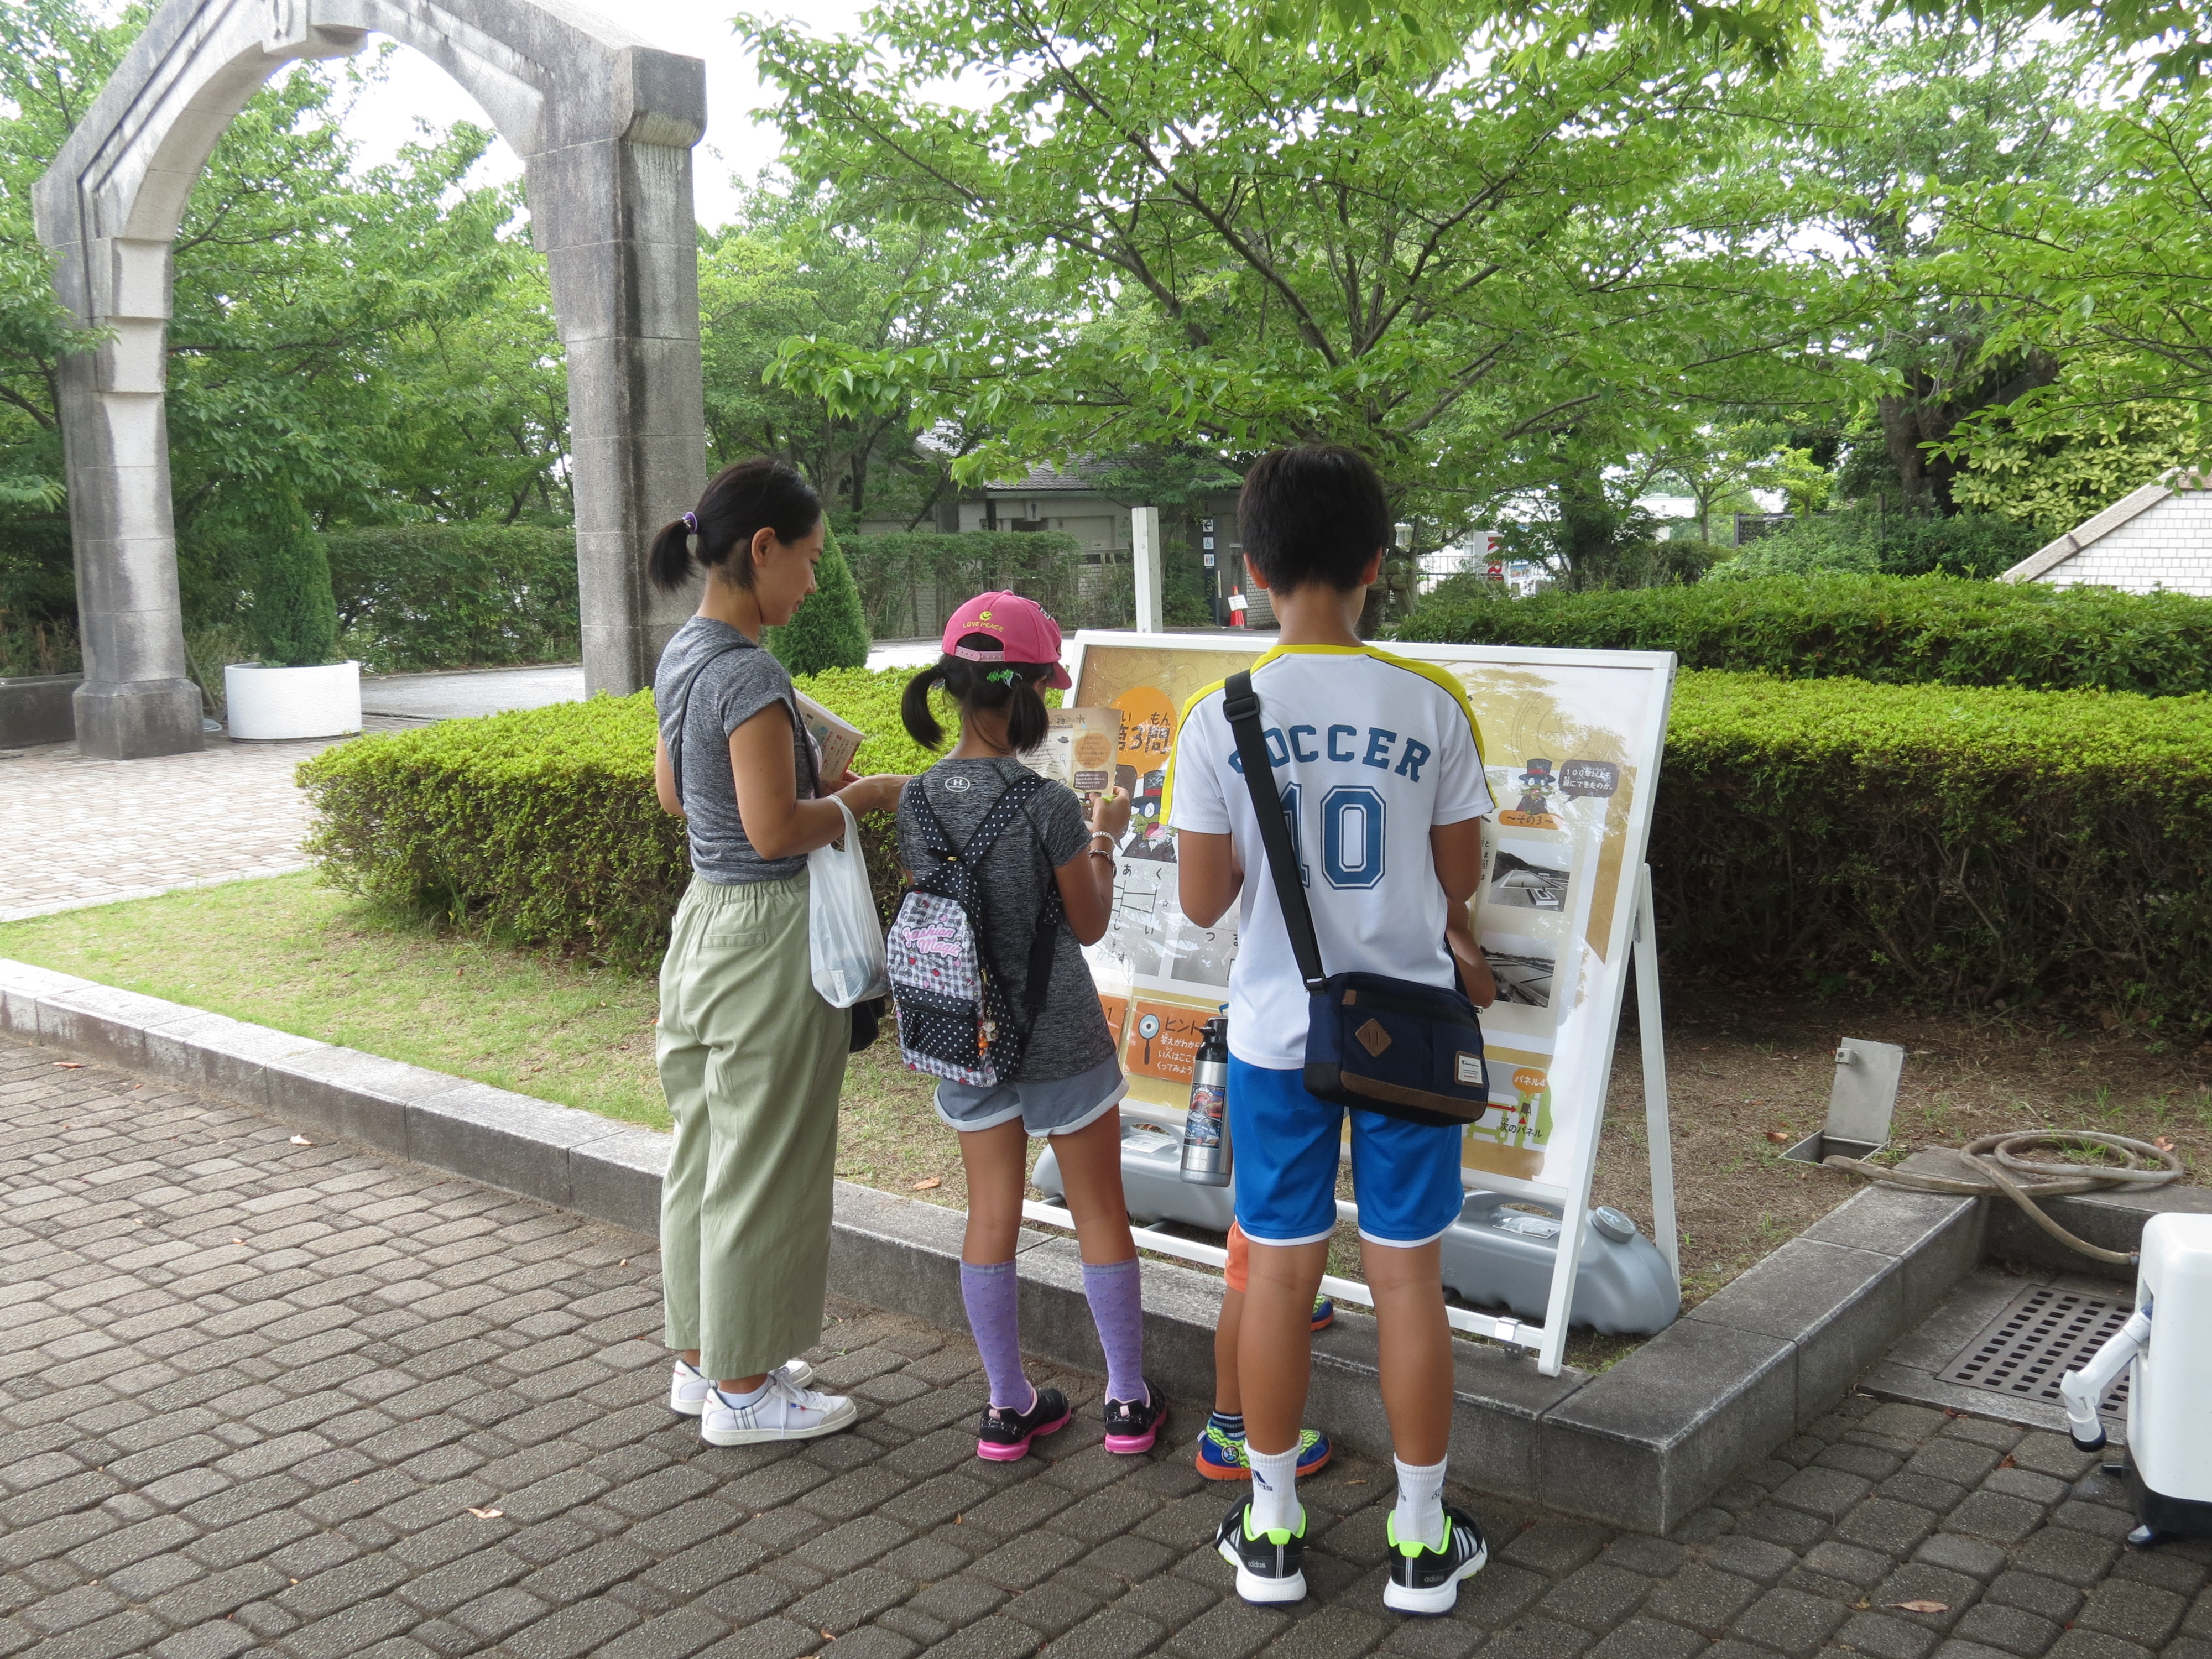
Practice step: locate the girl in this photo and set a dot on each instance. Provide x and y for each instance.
(751, 1056)
(1000, 650)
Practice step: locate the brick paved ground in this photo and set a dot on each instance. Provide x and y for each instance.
(253, 1394)
(80, 830)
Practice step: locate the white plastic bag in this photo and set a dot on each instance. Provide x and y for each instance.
(842, 928)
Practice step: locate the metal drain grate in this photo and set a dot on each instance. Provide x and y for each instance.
(2039, 1337)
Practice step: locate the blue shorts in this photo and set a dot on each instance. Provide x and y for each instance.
(1284, 1144)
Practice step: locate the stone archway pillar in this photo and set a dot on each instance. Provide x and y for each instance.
(605, 125)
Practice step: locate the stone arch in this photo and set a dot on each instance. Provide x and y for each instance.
(605, 125)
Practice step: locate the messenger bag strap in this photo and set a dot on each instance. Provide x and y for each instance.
(683, 711)
(1241, 704)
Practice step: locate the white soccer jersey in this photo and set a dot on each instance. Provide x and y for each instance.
(1371, 751)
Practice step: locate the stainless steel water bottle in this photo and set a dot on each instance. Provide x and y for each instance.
(1206, 1131)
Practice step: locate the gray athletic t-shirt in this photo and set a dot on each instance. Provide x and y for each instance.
(1070, 1036)
(730, 690)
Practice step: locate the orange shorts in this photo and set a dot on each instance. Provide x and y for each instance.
(1240, 1257)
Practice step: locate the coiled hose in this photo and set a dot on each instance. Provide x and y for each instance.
(1993, 1164)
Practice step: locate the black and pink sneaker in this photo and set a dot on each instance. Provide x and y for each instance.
(1132, 1425)
(1006, 1434)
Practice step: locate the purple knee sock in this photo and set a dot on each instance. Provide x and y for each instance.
(990, 1293)
(1117, 1308)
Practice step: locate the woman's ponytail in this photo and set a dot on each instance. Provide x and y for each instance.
(668, 564)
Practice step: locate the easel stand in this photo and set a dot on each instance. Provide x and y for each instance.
(1549, 1340)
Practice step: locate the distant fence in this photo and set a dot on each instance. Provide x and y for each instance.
(910, 584)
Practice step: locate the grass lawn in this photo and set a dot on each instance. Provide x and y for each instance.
(1749, 1074)
(287, 953)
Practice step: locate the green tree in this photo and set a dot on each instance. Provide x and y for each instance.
(1890, 120)
(295, 619)
(1448, 268)
(363, 345)
(2110, 279)
(829, 630)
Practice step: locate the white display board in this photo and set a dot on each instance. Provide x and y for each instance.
(1572, 741)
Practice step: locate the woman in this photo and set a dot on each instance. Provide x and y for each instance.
(751, 1058)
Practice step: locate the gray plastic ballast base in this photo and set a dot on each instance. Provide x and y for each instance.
(1493, 1257)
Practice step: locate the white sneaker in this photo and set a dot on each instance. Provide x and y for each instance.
(783, 1412)
(689, 1389)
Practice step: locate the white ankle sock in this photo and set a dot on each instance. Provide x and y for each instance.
(1274, 1490)
(1420, 1512)
(753, 1398)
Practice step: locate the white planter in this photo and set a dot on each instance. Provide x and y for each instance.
(323, 702)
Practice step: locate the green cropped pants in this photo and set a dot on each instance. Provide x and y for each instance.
(753, 1060)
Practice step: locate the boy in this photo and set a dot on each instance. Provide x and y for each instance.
(1384, 783)
(1221, 1454)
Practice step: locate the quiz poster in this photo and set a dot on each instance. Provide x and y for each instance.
(1570, 744)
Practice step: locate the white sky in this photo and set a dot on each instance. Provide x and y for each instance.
(736, 146)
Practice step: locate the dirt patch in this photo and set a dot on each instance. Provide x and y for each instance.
(1744, 1069)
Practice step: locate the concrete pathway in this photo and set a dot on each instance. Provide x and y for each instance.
(79, 830)
(493, 691)
(476, 691)
(262, 1396)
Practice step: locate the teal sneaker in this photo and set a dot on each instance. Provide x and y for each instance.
(1222, 1456)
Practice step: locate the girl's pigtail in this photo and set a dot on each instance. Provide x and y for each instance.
(1027, 719)
(914, 712)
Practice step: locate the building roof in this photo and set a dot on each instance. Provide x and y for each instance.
(2049, 557)
(1083, 475)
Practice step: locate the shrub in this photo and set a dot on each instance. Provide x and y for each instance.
(456, 595)
(827, 630)
(1969, 845)
(1924, 629)
(1966, 845)
(295, 620)
(542, 826)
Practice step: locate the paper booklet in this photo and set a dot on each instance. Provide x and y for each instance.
(1079, 749)
(836, 740)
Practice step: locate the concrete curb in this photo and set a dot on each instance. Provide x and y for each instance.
(1642, 1445)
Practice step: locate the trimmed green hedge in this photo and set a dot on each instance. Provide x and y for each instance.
(1919, 629)
(456, 595)
(1959, 845)
(542, 825)
(1975, 846)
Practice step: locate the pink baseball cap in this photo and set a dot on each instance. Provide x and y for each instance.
(1025, 631)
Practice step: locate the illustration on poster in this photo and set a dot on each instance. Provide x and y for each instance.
(1535, 811)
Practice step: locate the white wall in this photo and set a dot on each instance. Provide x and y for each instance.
(2168, 545)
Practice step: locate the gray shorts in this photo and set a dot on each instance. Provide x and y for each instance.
(1058, 1107)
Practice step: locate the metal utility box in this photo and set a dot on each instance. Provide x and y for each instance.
(1861, 1102)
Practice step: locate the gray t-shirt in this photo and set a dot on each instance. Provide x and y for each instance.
(730, 690)
(1070, 1036)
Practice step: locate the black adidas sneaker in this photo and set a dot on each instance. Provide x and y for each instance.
(1426, 1579)
(1270, 1567)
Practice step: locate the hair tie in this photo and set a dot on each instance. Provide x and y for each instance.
(692, 522)
(1002, 676)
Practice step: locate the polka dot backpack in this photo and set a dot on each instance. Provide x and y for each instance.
(956, 1017)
